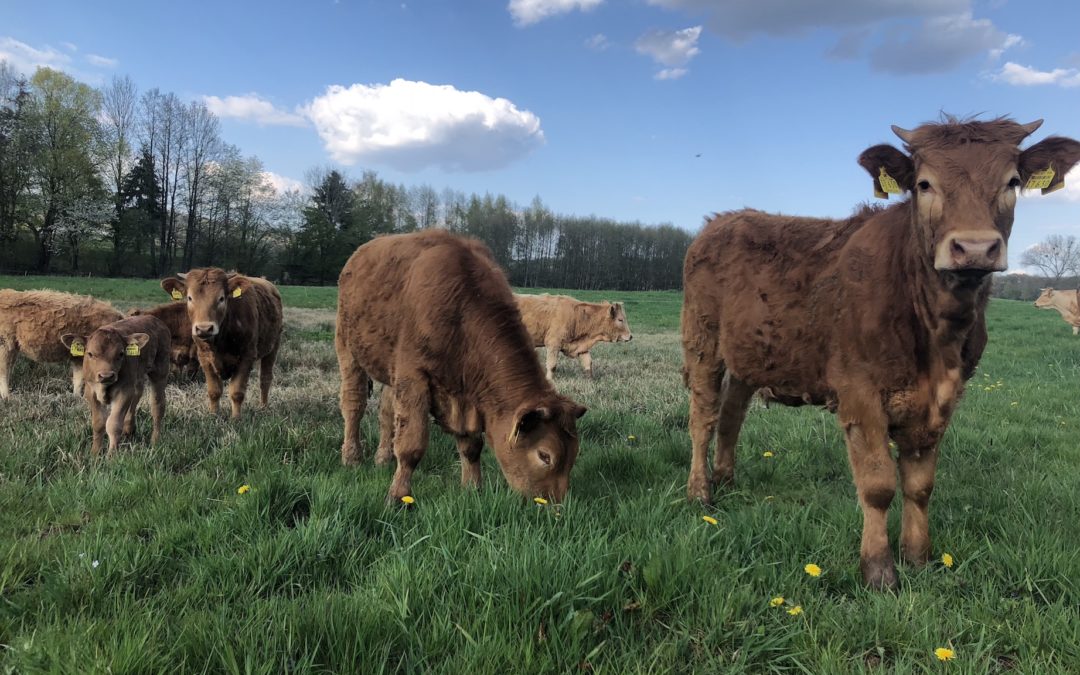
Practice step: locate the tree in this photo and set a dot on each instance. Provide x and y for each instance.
(330, 231)
(203, 132)
(16, 153)
(1055, 256)
(141, 207)
(119, 111)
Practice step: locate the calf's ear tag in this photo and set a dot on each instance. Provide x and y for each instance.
(176, 294)
(237, 292)
(888, 185)
(1040, 180)
(132, 349)
(78, 349)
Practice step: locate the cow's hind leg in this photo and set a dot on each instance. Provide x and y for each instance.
(7, 360)
(551, 359)
(735, 398)
(469, 449)
(704, 384)
(385, 453)
(874, 471)
(353, 400)
(133, 407)
(412, 405)
(157, 404)
(266, 376)
(76, 377)
(917, 470)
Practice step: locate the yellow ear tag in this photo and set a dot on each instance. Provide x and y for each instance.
(237, 293)
(176, 294)
(132, 349)
(888, 183)
(78, 349)
(1040, 180)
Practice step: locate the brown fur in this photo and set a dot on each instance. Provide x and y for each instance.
(182, 352)
(1067, 304)
(114, 381)
(795, 306)
(239, 330)
(563, 324)
(431, 315)
(32, 322)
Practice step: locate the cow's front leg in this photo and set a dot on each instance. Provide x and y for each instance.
(918, 466)
(412, 405)
(385, 452)
(213, 378)
(238, 385)
(874, 471)
(469, 449)
(552, 359)
(114, 426)
(97, 423)
(586, 363)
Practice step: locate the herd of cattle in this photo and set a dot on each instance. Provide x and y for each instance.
(790, 308)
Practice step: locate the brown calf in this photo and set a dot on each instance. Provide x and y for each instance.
(182, 350)
(563, 324)
(119, 358)
(32, 322)
(431, 315)
(795, 305)
(235, 321)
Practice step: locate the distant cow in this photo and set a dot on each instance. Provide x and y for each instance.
(182, 351)
(236, 321)
(119, 358)
(32, 322)
(563, 324)
(431, 315)
(1067, 303)
(880, 317)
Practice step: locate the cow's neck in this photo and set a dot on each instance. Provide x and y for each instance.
(503, 376)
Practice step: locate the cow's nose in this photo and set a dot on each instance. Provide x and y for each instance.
(629, 338)
(205, 330)
(106, 376)
(977, 253)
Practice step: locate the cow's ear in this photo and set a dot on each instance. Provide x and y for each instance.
(238, 284)
(614, 311)
(577, 410)
(1045, 164)
(527, 419)
(893, 171)
(176, 287)
(140, 339)
(74, 343)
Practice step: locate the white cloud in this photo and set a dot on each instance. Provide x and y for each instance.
(670, 74)
(254, 108)
(283, 184)
(70, 46)
(937, 44)
(26, 59)
(598, 42)
(527, 12)
(412, 125)
(1010, 42)
(101, 61)
(670, 47)
(1023, 76)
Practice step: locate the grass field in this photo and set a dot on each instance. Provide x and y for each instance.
(152, 562)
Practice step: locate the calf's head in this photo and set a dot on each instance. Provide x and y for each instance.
(1046, 298)
(541, 448)
(618, 328)
(963, 178)
(208, 293)
(103, 353)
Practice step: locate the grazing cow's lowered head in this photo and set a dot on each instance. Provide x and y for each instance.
(618, 330)
(963, 178)
(208, 293)
(103, 353)
(540, 448)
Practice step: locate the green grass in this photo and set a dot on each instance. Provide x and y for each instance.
(310, 572)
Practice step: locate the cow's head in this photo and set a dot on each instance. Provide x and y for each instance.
(541, 448)
(1046, 298)
(963, 178)
(208, 293)
(103, 353)
(618, 328)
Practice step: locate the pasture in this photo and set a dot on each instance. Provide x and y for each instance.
(153, 562)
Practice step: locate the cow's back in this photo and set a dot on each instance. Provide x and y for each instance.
(34, 321)
(268, 305)
(545, 315)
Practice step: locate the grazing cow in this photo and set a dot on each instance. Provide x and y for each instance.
(182, 351)
(32, 322)
(431, 315)
(795, 305)
(1067, 303)
(119, 358)
(562, 324)
(236, 321)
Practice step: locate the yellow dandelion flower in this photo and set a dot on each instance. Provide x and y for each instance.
(767, 454)
(769, 498)
(795, 611)
(540, 500)
(407, 499)
(709, 519)
(813, 570)
(1015, 403)
(946, 560)
(944, 654)
(631, 437)
(243, 489)
(777, 601)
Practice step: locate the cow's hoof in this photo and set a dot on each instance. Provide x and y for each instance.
(880, 574)
(723, 478)
(916, 556)
(351, 455)
(699, 491)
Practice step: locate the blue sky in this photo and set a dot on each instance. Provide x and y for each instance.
(649, 110)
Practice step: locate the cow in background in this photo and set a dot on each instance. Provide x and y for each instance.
(564, 324)
(1067, 304)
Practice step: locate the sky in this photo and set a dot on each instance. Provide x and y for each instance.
(657, 111)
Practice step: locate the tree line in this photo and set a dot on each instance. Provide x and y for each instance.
(114, 181)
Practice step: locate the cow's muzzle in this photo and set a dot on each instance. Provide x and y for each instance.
(204, 331)
(106, 377)
(972, 252)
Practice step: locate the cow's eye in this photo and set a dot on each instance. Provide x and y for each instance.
(189, 298)
(221, 299)
(924, 186)
(90, 354)
(1014, 182)
(544, 457)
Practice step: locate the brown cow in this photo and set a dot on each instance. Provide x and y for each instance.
(182, 351)
(236, 321)
(119, 358)
(795, 305)
(563, 324)
(431, 315)
(33, 321)
(1067, 303)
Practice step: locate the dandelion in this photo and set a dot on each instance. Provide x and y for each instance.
(944, 654)
(540, 500)
(95, 564)
(631, 438)
(946, 560)
(243, 489)
(1015, 403)
(769, 498)
(813, 570)
(767, 454)
(795, 611)
(709, 519)
(777, 601)
(407, 499)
